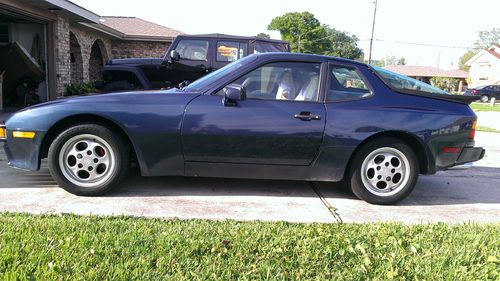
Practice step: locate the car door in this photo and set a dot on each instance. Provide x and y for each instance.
(281, 122)
(490, 91)
(194, 61)
(497, 91)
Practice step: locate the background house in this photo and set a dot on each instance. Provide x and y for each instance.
(425, 73)
(485, 67)
(60, 43)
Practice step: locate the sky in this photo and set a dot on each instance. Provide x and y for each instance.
(452, 25)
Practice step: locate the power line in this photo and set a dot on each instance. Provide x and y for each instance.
(426, 44)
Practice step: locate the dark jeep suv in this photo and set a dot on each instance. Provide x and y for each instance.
(187, 59)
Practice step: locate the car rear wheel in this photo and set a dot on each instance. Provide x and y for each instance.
(384, 171)
(485, 98)
(88, 160)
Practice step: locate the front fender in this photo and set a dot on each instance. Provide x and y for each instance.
(150, 120)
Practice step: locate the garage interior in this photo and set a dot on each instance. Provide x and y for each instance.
(23, 60)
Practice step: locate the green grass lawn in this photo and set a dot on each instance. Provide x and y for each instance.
(487, 129)
(477, 106)
(118, 248)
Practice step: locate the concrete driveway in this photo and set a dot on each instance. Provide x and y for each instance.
(452, 196)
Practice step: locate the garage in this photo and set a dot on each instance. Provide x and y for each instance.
(35, 53)
(23, 60)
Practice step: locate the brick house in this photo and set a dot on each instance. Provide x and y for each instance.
(69, 44)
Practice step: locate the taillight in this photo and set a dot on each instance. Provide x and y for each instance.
(474, 92)
(472, 132)
(451, 149)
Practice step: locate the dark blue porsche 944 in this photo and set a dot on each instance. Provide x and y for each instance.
(267, 116)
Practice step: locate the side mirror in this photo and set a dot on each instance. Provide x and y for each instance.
(174, 56)
(233, 93)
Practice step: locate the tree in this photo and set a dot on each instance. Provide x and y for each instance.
(392, 60)
(263, 35)
(302, 30)
(487, 38)
(389, 60)
(342, 45)
(306, 34)
(464, 58)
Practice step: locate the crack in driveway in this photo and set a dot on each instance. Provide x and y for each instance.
(325, 202)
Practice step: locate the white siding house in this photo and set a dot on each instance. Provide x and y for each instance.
(485, 67)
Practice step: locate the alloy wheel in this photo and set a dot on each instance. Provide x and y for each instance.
(385, 171)
(87, 160)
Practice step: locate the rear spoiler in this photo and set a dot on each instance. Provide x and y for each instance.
(453, 98)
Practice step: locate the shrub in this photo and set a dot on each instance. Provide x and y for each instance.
(444, 83)
(75, 89)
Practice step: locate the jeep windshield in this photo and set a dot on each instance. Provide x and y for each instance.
(404, 83)
(205, 81)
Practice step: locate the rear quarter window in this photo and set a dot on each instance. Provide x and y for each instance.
(346, 83)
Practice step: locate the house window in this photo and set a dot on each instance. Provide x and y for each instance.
(4, 34)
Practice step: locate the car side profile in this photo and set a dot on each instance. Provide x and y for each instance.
(267, 116)
(485, 92)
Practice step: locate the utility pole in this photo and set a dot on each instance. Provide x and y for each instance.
(373, 30)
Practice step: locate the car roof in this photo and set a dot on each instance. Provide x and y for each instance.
(300, 56)
(227, 36)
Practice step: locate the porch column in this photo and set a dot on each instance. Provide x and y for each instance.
(460, 85)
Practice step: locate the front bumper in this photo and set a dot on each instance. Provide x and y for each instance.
(22, 153)
(470, 154)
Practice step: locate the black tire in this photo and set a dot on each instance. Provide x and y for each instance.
(115, 172)
(485, 98)
(373, 193)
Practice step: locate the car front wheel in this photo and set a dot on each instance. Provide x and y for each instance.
(88, 159)
(384, 171)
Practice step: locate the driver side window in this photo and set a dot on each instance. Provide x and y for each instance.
(293, 81)
(192, 49)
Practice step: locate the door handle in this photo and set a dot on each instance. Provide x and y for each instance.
(307, 116)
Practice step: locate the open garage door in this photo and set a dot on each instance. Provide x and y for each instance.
(23, 60)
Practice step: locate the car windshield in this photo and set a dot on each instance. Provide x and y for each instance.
(205, 81)
(402, 82)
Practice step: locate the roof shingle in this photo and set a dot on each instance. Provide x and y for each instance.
(132, 26)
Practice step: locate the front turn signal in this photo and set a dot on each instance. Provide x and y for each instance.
(23, 135)
(3, 134)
